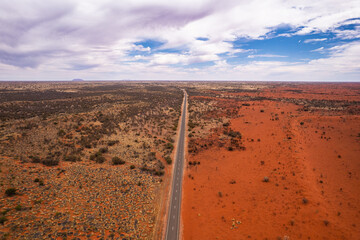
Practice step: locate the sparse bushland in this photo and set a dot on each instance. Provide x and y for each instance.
(117, 161)
(66, 127)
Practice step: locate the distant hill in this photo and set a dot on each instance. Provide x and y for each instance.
(77, 80)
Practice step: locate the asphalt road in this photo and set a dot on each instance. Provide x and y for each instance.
(173, 223)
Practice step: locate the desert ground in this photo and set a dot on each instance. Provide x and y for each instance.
(93, 160)
(86, 160)
(272, 161)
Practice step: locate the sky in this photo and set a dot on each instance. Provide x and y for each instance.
(262, 40)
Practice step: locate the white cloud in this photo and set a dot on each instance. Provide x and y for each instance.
(343, 64)
(165, 59)
(266, 56)
(61, 36)
(315, 40)
(320, 49)
(348, 34)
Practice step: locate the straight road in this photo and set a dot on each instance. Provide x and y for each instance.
(173, 223)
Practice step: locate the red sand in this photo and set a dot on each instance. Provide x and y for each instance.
(317, 162)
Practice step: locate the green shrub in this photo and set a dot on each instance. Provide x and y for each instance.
(161, 165)
(117, 161)
(18, 208)
(103, 150)
(191, 124)
(100, 159)
(97, 157)
(159, 173)
(2, 220)
(49, 161)
(112, 142)
(35, 159)
(72, 158)
(169, 146)
(57, 215)
(234, 134)
(226, 124)
(61, 132)
(168, 160)
(132, 166)
(10, 192)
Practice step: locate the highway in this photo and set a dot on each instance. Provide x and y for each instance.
(174, 211)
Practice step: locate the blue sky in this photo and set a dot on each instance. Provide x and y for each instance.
(180, 40)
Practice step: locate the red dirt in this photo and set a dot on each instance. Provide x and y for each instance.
(313, 169)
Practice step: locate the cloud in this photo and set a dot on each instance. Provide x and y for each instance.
(266, 56)
(343, 59)
(320, 49)
(348, 34)
(83, 66)
(343, 62)
(165, 59)
(141, 48)
(62, 36)
(315, 40)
